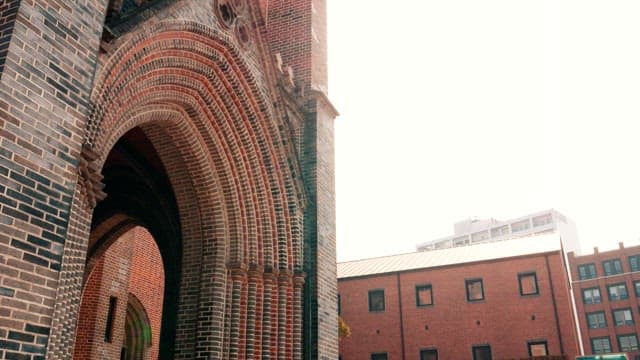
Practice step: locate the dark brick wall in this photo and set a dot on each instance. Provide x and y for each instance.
(505, 320)
(320, 238)
(607, 306)
(8, 13)
(45, 86)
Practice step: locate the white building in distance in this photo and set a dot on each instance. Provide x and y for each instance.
(473, 231)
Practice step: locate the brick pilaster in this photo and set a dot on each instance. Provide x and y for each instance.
(284, 306)
(254, 314)
(236, 340)
(298, 294)
(268, 325)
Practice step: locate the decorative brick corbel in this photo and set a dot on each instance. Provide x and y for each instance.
(237, 271)
(287, 79)
(90, 176)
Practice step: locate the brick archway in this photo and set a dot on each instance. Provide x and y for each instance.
(190, 91)
(129, 273)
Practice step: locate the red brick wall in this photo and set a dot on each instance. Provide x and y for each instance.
(111, 281)
(131, 265)
(601, 281)
(147, 282)
(505, 319)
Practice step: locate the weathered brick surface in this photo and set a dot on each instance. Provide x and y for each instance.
(205, 93)
(505, 319)
(44, 92)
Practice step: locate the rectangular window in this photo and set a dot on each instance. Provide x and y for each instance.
(542, 220)
(636, 286)
(596, 320)
(600, 345)
(379, 356)
(424, 295)
(528, 284)
(480, 236)
(111, 314)
(482, 352)
(622, 317)
(628, 342)
(538, 348)
(376, 300)
(612, 267)
(617, 292)
(499, 231)
(634, 263)
(475, 290)
(429, 354)
(587, 271)
(520, 225)
(339, 304)
(461, 240)
(591, 296)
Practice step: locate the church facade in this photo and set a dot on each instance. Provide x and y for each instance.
(202, 124)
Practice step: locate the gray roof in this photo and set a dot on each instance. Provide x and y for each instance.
(529, 245)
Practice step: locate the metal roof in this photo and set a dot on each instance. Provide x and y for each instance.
(530, 245)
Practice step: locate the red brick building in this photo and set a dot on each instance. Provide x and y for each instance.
(607, 292)
(205, 122)
(500, 300)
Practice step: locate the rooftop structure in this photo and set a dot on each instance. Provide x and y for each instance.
(473, 231)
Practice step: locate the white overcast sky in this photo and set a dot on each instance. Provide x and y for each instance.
(453, 109)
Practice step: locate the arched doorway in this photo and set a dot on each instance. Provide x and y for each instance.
(138, 332)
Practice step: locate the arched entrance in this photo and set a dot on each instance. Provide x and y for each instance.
(188, 149)
(139, 194)
(208, 123)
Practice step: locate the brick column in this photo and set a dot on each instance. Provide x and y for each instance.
(238, 312)
(284, 308)
(298, 294)
(268, 324)
(254, 313)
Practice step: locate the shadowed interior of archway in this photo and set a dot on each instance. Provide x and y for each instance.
(139, 194)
